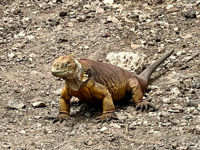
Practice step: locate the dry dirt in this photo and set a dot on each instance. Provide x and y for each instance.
(35, 32)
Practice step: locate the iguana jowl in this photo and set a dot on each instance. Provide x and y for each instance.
(93, 81)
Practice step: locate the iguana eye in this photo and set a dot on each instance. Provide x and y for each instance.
(66, 64)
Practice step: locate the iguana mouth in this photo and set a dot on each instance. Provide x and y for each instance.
(62, 73)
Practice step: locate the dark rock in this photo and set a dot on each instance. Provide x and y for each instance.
(191, 13)
(63, 14)
(16, 11)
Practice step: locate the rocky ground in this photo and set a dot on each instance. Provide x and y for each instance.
(34, 33)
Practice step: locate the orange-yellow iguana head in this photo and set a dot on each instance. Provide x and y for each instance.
(66, 67)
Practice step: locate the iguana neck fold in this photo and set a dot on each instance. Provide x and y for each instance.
(79, 77)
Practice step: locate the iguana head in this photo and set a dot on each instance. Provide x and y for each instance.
(66, 67)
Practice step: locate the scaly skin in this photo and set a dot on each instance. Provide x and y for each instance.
(93, 81)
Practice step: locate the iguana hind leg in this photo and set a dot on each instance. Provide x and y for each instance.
(137, 95)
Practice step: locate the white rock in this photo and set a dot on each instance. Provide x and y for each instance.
(17, 104)
(167, 100)
(103, 129)
(32, 55)
(39, 125)
(114, 125)
(127, 60)
(175, 91)
(176, 29)
(38, 104)
(180, 53)
(22, 132)
(30, 37)
(86, 47)
(21, 34)
(169, 6)
(108, 1)
(11, 55)
(26, 19)
(112, 19)
(145, 122)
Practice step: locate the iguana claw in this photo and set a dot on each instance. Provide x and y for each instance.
(145, 105)
(106, 117)
(61, 117)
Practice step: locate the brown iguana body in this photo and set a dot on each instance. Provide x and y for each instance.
(93, 81)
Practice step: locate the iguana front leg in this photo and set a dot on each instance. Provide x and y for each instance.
(101, 92)
(137, 95)
(64, 106)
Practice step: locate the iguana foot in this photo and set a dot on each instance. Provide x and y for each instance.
(145, 105)
(61, 117)
(106, 117)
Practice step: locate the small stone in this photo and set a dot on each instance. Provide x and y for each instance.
(108, 1)
(132, 126)
(72, 133)
(99, 10)
(19, 148)
(103, 129)
(180, 53)
(16, 11)
(188, 36)
(167, 100)
(86, 47)
(32, 55)
(87, 114)
(163, 114)
(145, 122)
(191, 13)
(81, 18)
(176, 29)
(175, 91)
(173, 111)
(21, 34)
(22, 132)
(134, 46)
(63, 14)
(169, 6)
(182, 148)
(114, 125)
(121, 117)
(26, 19)
(117, 6)
(6, 145)
(88, 142)
(57, 92)
(112, 19)
(187, 59)
(38, 104)
(191, 1)
(11, 55)
(30, 37)
(15, 104)
(70, 24)
(196, 83)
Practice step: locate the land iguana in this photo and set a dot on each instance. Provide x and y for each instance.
(93, 81)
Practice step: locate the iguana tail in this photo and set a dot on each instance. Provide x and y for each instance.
(148, 71)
